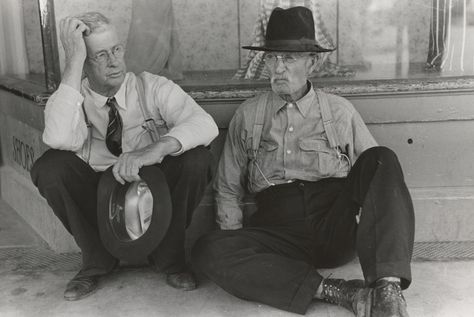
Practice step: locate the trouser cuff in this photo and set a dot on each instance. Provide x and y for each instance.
(305, 294)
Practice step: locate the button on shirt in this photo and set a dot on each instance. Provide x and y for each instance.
(183, 119)
(293, 146)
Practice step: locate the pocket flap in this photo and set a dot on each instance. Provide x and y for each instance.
(268, 145)
(313, 145)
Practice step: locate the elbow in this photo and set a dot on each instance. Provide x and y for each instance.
(54, 142)
(59, 143)
(213, 129)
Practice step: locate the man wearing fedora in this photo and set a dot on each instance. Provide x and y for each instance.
(324, 193)
(97, 122)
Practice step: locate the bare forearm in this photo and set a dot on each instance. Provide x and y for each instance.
(155, 153)
(128, 164)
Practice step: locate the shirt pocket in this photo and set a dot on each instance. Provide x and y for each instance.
(266, 160)
(317, 157)
(141, 138)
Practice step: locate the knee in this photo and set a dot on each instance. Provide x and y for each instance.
(50, 167)
(382, 155)
(196, 161)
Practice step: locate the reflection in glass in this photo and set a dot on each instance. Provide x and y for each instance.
(13, 57)
(255, 65)
(375, 39)
(381, 39)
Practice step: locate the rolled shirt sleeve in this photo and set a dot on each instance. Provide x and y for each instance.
(362, 138)
(230, 180)
(65, 126)
(188, 122)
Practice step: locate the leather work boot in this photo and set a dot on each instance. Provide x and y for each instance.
(183, 280)
(387, 300)
(350, 294)
(80, 287)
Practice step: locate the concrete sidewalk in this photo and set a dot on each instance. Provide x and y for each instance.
(32, 281)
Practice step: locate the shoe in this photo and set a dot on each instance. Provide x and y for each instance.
(351, 294)
(387, 300)
(80, 287)
(183, 280)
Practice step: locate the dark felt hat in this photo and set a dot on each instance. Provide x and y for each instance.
(290, 30)
(133, 218)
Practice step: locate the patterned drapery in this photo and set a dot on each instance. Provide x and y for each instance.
(255, 66)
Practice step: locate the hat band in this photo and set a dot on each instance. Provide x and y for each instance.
(283, 43)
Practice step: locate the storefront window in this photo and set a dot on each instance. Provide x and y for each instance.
(21, 50)
(200, 40)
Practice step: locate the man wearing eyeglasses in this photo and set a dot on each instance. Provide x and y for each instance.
(324, 193)
(106, 102)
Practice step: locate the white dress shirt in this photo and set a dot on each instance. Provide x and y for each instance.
(66, 129)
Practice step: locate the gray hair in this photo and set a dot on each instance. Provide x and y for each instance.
(93, 20)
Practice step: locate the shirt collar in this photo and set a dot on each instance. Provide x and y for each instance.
(303, 104)
(99, 100)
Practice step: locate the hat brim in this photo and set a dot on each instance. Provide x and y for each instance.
(297, 49)
(140, 248)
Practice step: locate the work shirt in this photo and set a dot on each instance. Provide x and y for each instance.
(293, 146)
(181, 118)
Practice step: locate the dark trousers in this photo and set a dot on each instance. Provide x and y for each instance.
(302, 226)
(70, 188)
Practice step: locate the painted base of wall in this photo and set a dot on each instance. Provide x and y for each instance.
(441, 213)
(20, 193)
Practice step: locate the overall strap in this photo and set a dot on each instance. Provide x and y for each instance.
(88, 148)
(328, 121)
(149, 124)
(259, 122)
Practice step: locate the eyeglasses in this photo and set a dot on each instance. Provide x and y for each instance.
(287, 58)
(103, 56)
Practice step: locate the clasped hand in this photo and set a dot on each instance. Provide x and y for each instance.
(128, 164)
(127, 167)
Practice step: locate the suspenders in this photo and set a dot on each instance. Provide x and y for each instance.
(326, 116)
(328, 122)
(259, 122)
(87, 149)
(149, 124)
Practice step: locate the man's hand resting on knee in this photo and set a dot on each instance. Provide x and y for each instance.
(128, 164)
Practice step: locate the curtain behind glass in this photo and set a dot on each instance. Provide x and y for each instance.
(13, 59)
(152, 43)
(255, 66)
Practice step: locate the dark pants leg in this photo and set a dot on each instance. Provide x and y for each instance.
(385, 235)
(187, 176)
(270, 263)
(313, 225)
(70, 188)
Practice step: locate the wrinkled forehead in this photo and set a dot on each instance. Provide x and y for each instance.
(103, 38)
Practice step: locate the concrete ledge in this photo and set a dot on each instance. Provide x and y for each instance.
(20, 193)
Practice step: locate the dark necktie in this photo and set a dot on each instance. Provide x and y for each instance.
(113, 140)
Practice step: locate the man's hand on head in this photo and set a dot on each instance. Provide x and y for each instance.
(128, 164)
(72, 33)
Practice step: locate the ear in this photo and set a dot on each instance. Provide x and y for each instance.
(312, 64)
(86, 69)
